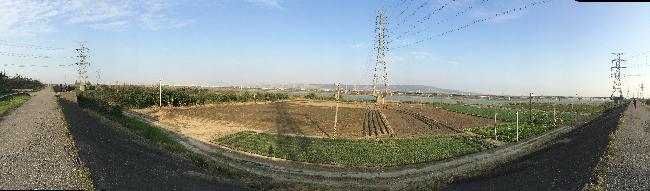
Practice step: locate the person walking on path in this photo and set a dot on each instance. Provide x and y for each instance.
(634, 101)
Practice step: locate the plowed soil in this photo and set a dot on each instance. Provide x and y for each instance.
(308, 118)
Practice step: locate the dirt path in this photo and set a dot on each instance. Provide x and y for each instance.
(629, 167)
(566, 165)
(118, 161)
(36, 151)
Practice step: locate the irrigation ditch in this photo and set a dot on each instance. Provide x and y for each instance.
(416, 176)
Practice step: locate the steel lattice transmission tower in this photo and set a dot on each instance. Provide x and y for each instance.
(380, 70)
(83, 63)
(641, 93)
(616, 74)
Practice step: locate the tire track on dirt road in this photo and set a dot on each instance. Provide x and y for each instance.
(36, 150)
(118, 161)
(567, 164)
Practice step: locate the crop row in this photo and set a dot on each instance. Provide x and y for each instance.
(561, 108)
(351, 152)
(536, 117)
(508, 132)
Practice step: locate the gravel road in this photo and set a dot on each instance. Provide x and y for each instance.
(629, 167)
(566, 165)
(36, 150)
(118, 161)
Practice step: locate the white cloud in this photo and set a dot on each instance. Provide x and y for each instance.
(31, 17)
(115, 25)
(268, 3)
(409, 57)
(419, 55)
(359, 45)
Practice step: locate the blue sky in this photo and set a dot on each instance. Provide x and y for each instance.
(556, 48)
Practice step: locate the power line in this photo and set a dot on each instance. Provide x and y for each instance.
(414, 12)
(29, 46)
(428, 16)
(21, 55)
(477, 21)
(394, 5)
(36, 65)
(637, 55)
(440, 21)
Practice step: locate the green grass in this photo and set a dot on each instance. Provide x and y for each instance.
(361, 153)
(549, 107)
(12, 102)
(508, 132)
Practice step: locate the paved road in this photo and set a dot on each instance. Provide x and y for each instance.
(118, 161)
(36, 151)
(629, 167)
(566, 165)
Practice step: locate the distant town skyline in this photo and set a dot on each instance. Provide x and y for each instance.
(553, 48)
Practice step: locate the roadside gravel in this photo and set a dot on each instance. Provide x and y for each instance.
(36, 150)
(629, 164)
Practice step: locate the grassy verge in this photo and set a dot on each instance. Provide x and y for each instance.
(12, 102)
(85, 176)
(597, 181)
(347, 152)
(508, 132)
(158, 136)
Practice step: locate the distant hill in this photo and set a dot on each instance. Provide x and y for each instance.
(401, 88)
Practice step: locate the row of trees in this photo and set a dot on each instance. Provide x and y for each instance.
(141, 96)
(7, 84)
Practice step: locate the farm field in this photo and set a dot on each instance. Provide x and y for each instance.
(348, 152)
(312, 118)
(301, 129)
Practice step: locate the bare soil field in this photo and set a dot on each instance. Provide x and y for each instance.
(313, 118)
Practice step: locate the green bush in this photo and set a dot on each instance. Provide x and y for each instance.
(142, 97)
(17, 82)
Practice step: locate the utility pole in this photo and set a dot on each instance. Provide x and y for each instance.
(160, 93)
(381, 47)
(99, 76)
(83, 65)
(616, 74)
(530, 108)
(336, 113)
(576, 109)
(517, 126)
(495, 127)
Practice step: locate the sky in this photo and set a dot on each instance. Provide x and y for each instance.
(559, 47)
